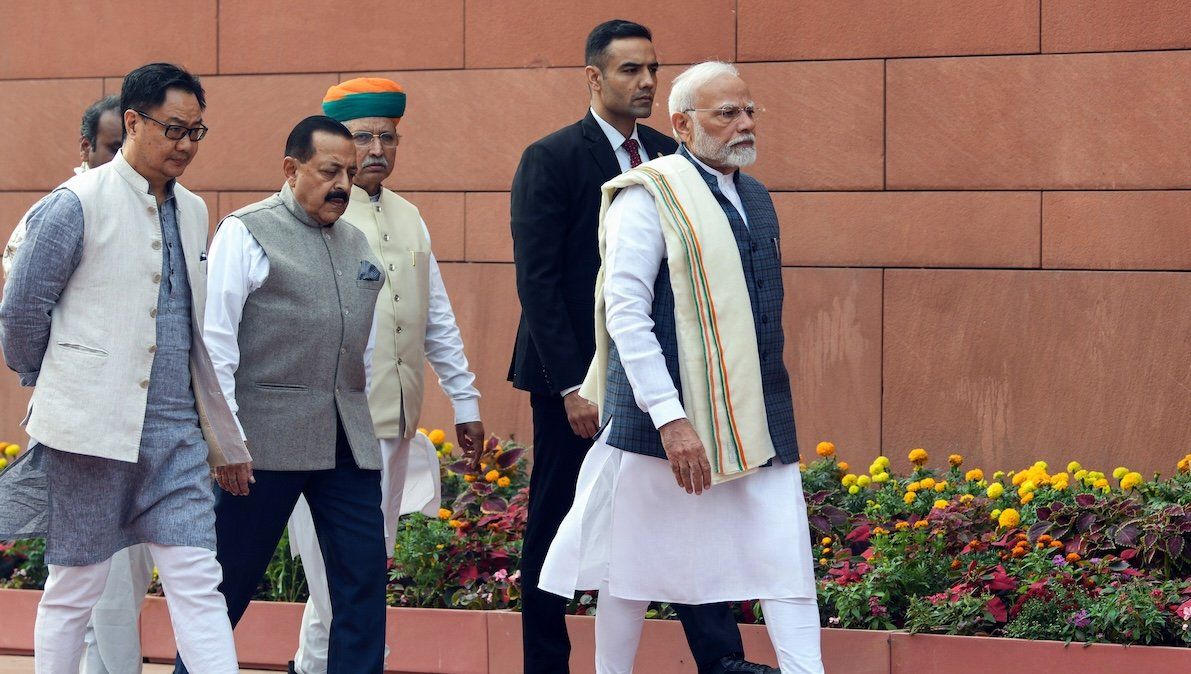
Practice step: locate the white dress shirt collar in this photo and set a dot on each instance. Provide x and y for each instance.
(615, 138)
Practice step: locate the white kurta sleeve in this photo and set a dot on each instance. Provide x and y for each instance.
(236, 266)
(444, 349)
(634, 251)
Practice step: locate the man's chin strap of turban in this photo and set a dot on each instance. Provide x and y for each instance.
(365, 97)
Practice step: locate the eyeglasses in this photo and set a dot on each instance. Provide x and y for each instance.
(728, 113)
(364, 138)
(176, 131)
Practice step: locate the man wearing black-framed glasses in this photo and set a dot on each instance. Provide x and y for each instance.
(127, 414)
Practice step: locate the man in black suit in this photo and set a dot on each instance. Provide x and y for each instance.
(555, 213)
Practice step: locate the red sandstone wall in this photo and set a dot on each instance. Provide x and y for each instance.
(984, 205)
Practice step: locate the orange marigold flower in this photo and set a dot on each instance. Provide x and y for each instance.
(1056, 544)
(901, 525)
(1044, 539)
(843, 466)
(955, 460)
(918, 456)
(921, 524)
(1073, 557)
(974, 475)
(492, 476)
(825, 449)
(1009, 518)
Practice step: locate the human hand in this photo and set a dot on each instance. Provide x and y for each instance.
(470, 436)
(583, 416)
(688, 458)
(234, 478)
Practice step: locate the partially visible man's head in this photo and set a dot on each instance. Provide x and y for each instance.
(712, 113)
(319, 165)
(621, 68)
(101, 132)
(371, 108)
(163, 108)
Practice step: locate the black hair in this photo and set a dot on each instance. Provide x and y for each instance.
(89, 127)
(596, 52)
(300, 144)
(145, 87)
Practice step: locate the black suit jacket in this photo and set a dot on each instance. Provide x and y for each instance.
(555, 221)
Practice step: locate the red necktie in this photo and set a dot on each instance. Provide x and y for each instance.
(634, 156)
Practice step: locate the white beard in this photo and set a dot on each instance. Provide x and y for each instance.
(723, 154)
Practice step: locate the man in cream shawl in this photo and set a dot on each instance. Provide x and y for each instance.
(692, 493)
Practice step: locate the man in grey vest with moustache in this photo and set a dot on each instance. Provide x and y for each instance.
(292, 293)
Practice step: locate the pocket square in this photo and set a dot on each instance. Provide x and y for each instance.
(368, 272)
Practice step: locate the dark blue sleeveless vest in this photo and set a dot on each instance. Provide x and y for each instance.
(757, 244)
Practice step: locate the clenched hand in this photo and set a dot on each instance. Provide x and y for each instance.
(688, 458)
(584, 416)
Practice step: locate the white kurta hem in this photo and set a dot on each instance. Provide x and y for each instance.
(632, 525)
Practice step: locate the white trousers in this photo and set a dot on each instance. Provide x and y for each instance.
(400, 459)
(113, 640)
(198, 612)
(793, 626)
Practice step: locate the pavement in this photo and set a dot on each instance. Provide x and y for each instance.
(16, 664)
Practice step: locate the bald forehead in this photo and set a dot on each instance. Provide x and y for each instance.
(723, 90)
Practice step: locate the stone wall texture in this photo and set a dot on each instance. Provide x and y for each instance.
(985, 207)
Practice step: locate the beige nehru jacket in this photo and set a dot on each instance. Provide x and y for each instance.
(394, 230)
(92, 388)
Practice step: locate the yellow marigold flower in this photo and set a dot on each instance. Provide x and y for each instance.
(444, 514)
(995, 490)
(974, 475)
(1100, 484)
(483, 466)
(881, 477)
(941, 487)
(492, 476)
(1131, 480)
(1096, 475)
(469, 478)
(927, 482)
(853, 489)
(437, 436)
(1019, 478)
(423, 431)
(994, 515)
(12, 450)
(1059, 485)
(1041, 465)
(901, 525)
(503, 482)
(863, 481)
(998, 474)
(913, 486)
(909, 497)
(966, 498)
(1184, 464)
(843, 466)
(942, 503)
(440, 546)
(955, 460)
(3, 463)
(1027, 498)
(918, 456)
(826, 540)
(825, 449)
(921, 524)
(827, 551)
(1027, 487)
(1081, 474)
(822, 561)
(454, 524)
(1009, 518)
(882, 461)
(447, 447)
(880, 531)
(1073, 467)
(1119, 472)
(848, 480)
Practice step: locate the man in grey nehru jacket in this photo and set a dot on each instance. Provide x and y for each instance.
(292, 292)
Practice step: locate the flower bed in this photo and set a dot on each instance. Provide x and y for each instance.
(1075, 555)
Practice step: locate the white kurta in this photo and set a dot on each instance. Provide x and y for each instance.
(631, 524)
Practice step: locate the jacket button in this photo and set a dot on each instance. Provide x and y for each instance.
(151, 209)
(326, 235)
(153, 348)
(392, 268)
(399, 361)
(336, 390)
(345, 312)
(338, 272)
(156, 245)
(396, 298)
(157, 278)
(386, 237)
(399, 329)
(144, 383)
(153, 312)
(342, 350)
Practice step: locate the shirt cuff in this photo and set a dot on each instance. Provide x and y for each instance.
(665, 412)
(466, 410)
(568, 391)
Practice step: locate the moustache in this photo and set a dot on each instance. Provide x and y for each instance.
(375, 161)
(336, 194)
(742, 138)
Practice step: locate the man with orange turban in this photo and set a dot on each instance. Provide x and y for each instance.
(414, 324)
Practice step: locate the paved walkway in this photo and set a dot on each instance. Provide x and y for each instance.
(14, 664)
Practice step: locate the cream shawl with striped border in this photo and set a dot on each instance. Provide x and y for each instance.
(717, 342)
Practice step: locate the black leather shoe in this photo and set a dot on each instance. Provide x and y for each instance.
(731, 664)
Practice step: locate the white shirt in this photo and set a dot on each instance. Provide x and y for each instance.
(634, 252)
(237, 266)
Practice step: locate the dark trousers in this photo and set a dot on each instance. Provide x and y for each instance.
(345, 506)
(558, 453)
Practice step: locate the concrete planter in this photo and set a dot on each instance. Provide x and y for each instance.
(442, 641)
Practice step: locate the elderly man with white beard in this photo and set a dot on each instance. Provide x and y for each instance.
(692, 493)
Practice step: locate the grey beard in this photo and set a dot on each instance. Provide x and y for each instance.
(721, 153)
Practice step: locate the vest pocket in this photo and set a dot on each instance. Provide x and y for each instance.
(79, 348)
(271, 386)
